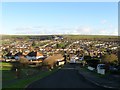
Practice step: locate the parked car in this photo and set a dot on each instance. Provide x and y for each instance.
(72, 60)
(101, 66)
(113, 68)
(101, 69)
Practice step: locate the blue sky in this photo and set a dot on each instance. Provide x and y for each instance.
(97, 18)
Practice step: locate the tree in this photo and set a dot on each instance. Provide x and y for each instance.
(119, 55)
(87, 57)
(61, 45)
(52, 60)
(23, 61)
(33, 43)
(110, 58)
(22, 64)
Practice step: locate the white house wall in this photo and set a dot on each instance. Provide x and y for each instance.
(39, 57)
(17, 57)
(34, 58)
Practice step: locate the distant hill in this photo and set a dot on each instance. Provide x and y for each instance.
(73, 37)
(92, 37)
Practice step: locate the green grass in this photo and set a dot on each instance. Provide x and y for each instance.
(107, 73)
(22, 83)
(9, 79)
(93, 37)
(5, 66)
(7, 75)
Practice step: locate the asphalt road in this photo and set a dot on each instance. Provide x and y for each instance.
(66, 77)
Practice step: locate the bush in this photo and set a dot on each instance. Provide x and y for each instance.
(93, 62)
(87, 57)
(110, 58)
(23, 62)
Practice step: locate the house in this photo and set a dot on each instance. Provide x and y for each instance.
(53, 60)
(8, 55)
(34, 55)
(114, 48)
(48, 48)
(17, 55)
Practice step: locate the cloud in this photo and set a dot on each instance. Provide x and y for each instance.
(84, 30)
(108, 32)
(103, 32)
(31, 30)
(44, 30)
(115, 33)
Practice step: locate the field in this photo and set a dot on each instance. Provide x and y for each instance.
(65, 36)
(93, 37)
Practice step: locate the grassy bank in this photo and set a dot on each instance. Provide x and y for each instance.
(5, 66)
(105, 76)
(10, 81)
(94, 72)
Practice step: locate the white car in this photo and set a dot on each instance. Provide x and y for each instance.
(72, 60)
(101, 69)
(101, 66)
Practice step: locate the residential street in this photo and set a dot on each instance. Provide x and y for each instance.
(66, 77)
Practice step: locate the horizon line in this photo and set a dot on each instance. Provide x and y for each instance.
(61, 34)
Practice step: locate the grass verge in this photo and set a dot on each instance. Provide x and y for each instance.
(94, 72)
(21, 84)
(11, 82)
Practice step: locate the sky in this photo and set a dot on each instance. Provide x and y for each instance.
(84, 18)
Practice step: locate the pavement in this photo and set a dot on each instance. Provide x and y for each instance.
(107, 81)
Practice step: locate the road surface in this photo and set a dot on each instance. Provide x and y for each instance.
(66, 77)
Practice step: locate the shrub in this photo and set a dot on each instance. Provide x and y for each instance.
(110, 58)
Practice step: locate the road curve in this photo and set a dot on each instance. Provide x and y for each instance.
(66, 77)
